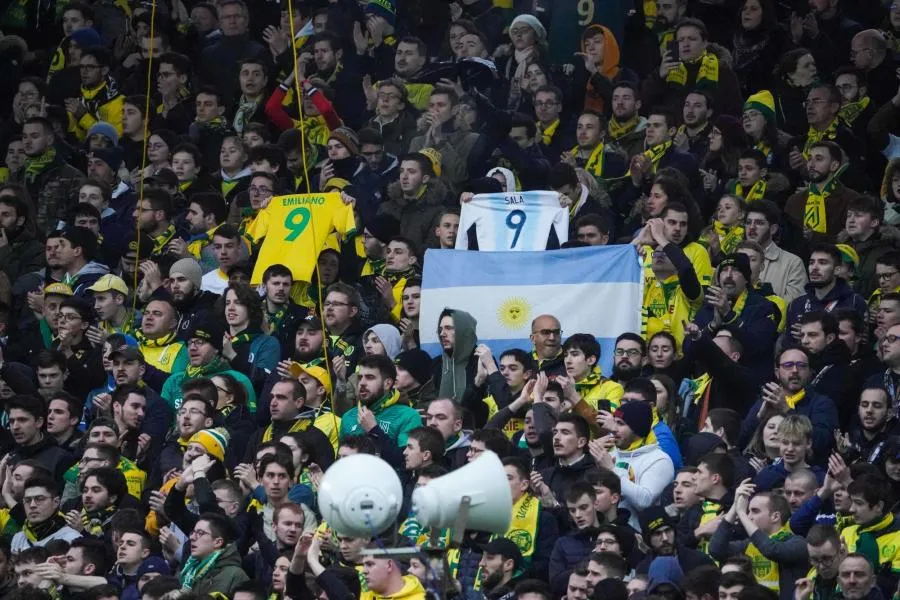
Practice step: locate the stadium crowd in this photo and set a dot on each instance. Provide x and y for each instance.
(172, 391)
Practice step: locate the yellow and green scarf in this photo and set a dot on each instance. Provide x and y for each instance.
(813, 136)
(522, 530)
(707, 76)
(764, 569)
(594, 164)
(34, 166)
(851, 110)
(196, 568)
(618, 130)
(96, 521)
(814, 214)
(756, 192)
(729, 237)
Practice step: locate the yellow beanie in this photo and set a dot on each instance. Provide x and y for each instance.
(214, 441)
(764, 102)
(434, 157)
(848, 254)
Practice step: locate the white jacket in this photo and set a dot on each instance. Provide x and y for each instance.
(20, 541)
(644, 474)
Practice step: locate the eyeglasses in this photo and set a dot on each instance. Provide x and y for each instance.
(549, 332)
(886, 275)
(197, 342)
(333, 304)
(68, 316)
(199, 533)
(890, 339)
(34, 500)
(631, 352)
(606, 542)
(254, 189)
(791, 365)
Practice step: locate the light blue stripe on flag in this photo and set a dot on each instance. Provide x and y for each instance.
(594, 290)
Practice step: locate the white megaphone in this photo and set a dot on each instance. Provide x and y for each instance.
(360, 496)
(483, 481)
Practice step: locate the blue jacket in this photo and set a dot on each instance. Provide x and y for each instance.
(568, 551)
(773, 476)
(668, 444)
(757, 328)
(818, 408)
(841, 296)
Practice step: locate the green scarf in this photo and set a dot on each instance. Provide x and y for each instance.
(707, 76)
(36, 165)
(95, 521)
(196, 568)
(215, 366)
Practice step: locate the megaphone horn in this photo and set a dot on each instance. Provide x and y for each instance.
(483, 481)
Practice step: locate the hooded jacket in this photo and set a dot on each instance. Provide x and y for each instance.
(644, 472)
(389, 337)
(830, 369)
(86, 277)
(568, 551)
(454, 378)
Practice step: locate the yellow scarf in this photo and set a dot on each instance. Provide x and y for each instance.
(640, 442)
(617, 130)
(763, 147)
(793, 399)
(710, 509)
(547, 134)
(298, 425)
(729, 237)
(814, 216)
(756, 192)
(594, 164)
(738, 307)
(523, 526)
(765, 570)
(707, 76)
(814, 136)
(654, 154)
(850, 111)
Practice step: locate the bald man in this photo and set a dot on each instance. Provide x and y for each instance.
(869, 54)
(546, 335)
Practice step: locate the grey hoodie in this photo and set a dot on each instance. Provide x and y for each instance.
(389, 336)
(454, 378)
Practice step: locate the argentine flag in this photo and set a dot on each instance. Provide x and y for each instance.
(596, 290)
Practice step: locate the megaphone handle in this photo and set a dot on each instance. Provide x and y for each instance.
(462, 520)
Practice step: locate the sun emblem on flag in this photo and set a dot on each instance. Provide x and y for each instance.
(514, 312)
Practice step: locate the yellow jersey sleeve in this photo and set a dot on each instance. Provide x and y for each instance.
(299, 226)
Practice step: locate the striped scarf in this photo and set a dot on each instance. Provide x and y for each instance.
(196, 568)
(36, 165)
(814, 215)
(814, 136)
(850, 111)
(617, 130)
(756, 192)
(707, 76)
